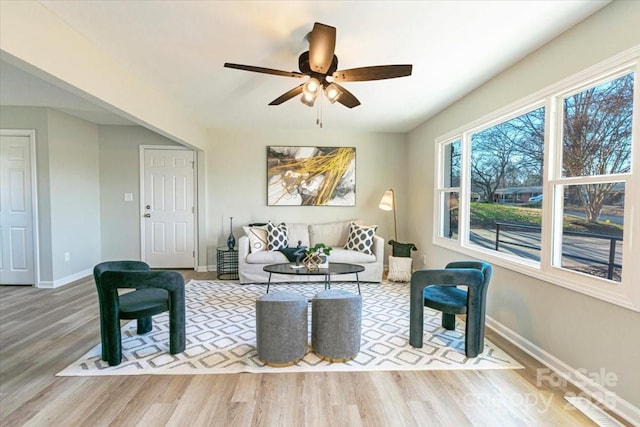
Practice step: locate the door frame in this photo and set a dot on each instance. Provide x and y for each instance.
(142, 149)
(31, 134)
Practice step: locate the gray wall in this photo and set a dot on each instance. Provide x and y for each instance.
(68, 189)
(237, 174)
(119, 174)
(75, 190)
(35, 118)
(232, 182)
(583, 332)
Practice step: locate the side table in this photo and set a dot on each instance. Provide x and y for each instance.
(227, 263)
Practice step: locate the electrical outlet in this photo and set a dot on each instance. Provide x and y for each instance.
(67, 257)
(424, 259)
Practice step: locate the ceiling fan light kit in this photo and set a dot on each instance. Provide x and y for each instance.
(310, 91)
(332, 92)
(319, 63)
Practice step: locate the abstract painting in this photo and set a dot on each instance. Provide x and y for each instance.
(311, 176)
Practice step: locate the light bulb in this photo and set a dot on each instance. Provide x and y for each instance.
(308, 98)
(310, 91)
(332, 92)
(311, 86)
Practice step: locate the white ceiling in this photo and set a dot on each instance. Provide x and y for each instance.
(180, 48)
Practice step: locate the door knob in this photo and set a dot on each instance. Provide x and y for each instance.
(147, 215)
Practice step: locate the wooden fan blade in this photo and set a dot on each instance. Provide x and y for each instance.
(288, 95)
(321, 47)
(378, 72)
(264, 70)
(346, 98)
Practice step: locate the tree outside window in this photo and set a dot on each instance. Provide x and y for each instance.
(596, 151)
(506, 172)
(506, 169)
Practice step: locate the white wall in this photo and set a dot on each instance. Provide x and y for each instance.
(237, 175)
(60, 55)
(581, 331)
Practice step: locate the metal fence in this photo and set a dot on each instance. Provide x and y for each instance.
(613, 240)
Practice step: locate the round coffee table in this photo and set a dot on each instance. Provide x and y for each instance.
(334, 268)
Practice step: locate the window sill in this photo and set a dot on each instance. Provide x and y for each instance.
(611, 292)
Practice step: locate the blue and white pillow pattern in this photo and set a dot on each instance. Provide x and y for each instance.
(277, 236)
(361, 238)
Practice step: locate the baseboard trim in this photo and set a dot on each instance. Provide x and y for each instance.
(577, 377)
(65, 280)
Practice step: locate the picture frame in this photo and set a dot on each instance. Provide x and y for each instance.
(311, 176)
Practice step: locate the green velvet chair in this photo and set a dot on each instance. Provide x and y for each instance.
(437, 288)
(155, 292)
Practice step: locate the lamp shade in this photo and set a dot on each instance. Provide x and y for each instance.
(310, 91)
(332, 92)
(386, 203)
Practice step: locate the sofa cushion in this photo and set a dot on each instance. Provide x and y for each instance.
(298, 232)
(351, 257)
(332, 234)
(277, 236)
(257, 238)
(266, 257)
(361, 238)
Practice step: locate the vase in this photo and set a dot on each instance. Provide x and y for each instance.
(231, 241)
(324, 262)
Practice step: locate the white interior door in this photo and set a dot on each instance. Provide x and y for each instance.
(17, 256)
(168, 222)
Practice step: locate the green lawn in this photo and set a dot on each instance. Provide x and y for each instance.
(485, 215)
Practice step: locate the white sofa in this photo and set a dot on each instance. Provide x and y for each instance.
(250, 264)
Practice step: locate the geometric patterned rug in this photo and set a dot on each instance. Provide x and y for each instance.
(221, 339)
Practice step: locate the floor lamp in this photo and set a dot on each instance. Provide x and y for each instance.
(388, 203)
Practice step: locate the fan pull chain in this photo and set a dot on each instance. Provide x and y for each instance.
(319, 112)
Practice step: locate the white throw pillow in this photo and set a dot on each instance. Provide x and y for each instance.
(399, 269)
(361, 238)
(277, 236)
(257, 238)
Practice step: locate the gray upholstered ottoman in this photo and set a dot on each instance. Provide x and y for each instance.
(282, 328)
(336, 322)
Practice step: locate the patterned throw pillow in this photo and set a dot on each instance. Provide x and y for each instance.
(399, 269)
(257, 238)
(361, 238)
(277, 236)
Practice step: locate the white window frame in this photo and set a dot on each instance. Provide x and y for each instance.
(441, 189)
(625, 293)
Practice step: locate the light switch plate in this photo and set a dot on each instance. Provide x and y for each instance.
(128, 197)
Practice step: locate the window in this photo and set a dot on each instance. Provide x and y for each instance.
(596, 162)
(450, 190)
(544, 186)
(506, 172)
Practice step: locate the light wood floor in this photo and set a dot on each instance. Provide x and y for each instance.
(44, 330)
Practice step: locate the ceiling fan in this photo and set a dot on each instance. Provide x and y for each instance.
(319, 63)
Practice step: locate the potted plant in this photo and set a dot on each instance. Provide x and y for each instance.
(317, 256)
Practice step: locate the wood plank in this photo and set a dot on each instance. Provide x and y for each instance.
(44, 330)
